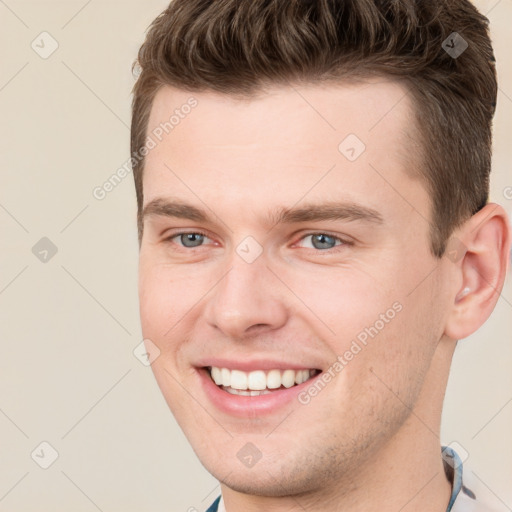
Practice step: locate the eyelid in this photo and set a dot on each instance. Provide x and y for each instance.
(343, 240)
(174, 234)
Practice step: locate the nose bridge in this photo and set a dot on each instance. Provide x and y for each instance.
(245, 298)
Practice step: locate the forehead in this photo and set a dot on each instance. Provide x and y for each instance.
(288, 136)
(318, 111)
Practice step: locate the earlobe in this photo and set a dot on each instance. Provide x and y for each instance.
(481, 269)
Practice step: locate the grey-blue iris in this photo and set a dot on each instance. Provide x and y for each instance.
(191, 239)
(322, 241)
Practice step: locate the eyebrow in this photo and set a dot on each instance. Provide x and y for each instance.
(327, 211)
(347, 211)
(165, 208)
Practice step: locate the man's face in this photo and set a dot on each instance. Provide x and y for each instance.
(276, 249)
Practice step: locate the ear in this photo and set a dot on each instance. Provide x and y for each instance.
(479, 252)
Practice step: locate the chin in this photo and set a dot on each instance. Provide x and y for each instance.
(266, 478)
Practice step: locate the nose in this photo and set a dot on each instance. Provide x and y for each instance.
(247, 301)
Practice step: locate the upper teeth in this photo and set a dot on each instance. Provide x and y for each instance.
(258, 380)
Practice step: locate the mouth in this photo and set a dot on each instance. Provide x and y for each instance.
(259, 382)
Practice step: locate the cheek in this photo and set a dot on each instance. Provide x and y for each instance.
(160, 312)
(395, 360)
(385, 334)
(344, 301)
(164, 301)
(166, 296)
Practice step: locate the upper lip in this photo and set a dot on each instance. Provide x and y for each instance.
(248, 366)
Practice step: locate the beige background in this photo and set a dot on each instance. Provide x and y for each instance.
(68, 375)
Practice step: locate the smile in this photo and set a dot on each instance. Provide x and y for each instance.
(258, 382)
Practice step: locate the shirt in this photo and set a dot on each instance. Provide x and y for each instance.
(465, 494)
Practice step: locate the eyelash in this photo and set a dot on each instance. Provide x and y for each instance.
(343, 243)
(338, 247)
(176, 235)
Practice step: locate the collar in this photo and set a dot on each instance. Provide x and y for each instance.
(453, 469)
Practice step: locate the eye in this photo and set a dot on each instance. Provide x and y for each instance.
(321, 241)
(190, 240)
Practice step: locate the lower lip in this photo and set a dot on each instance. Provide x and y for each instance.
(249, 406)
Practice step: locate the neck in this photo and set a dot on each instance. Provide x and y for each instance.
(406, 474)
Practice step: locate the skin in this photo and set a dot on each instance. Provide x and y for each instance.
(370, 438)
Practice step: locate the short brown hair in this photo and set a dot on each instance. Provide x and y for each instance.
(238, 47)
